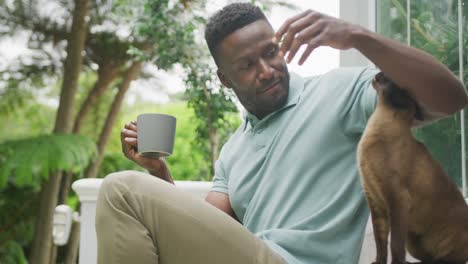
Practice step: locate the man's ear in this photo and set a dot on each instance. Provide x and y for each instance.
(223, 79)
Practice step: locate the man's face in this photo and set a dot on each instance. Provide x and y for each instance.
(251, 64)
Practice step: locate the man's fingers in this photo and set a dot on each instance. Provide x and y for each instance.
(312, 45)
(282, 30)
(304, 36)
(122, 136)
(309, 34)
(305, 55)
(129, 133)
(293, 50)
(301, 31)
(294, 29)
(125, 147)
(311, 31)
(130, 140)
(131, 126)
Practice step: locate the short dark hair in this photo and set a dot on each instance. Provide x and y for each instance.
(229, 19)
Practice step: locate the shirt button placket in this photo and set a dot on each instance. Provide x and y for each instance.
(260, 139)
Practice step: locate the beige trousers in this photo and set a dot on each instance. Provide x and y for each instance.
(142, 219)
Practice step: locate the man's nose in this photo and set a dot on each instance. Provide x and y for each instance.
(265, 70)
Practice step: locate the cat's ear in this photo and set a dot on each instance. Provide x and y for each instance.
(418, 113)
(379, 81)
(380, 77)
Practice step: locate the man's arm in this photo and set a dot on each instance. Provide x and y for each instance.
(221, 201)
(438, 92)
(434, 87)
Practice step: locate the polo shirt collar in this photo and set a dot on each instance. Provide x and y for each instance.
(296, 86)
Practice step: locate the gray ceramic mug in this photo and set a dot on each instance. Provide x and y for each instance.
(156, 133)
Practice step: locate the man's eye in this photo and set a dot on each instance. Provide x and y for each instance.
(246, 66)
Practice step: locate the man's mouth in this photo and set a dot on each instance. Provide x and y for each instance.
(269, 87)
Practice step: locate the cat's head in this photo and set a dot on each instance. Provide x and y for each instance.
(391, 95)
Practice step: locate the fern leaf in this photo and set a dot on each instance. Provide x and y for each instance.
(29, 161)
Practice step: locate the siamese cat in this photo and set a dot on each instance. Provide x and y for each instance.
(408, 193)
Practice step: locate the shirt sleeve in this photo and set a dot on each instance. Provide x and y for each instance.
(220, 179)
(361, 100)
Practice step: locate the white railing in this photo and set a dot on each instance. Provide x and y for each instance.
(87, 191)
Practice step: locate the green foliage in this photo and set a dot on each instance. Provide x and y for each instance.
(214, 109)
(12, 253)
(17, 207)
(114, 162)
(167, 28)
(96, 117)
(29, 120)
(11, 99)
(434, 28)
(26, 162)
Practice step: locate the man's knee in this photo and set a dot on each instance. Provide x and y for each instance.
(120, 188)
(111, 193)
(114, 184)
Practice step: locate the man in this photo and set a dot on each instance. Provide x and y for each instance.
(286, 186)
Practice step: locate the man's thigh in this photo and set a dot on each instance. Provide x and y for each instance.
(142, 219)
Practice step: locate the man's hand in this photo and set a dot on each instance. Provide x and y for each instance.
(129, 140)
(313, 29)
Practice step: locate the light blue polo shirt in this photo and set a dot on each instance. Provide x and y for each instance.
(292, 177)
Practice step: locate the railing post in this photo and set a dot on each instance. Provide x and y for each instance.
(87, 191)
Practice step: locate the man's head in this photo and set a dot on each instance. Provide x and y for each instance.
(240, 40)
